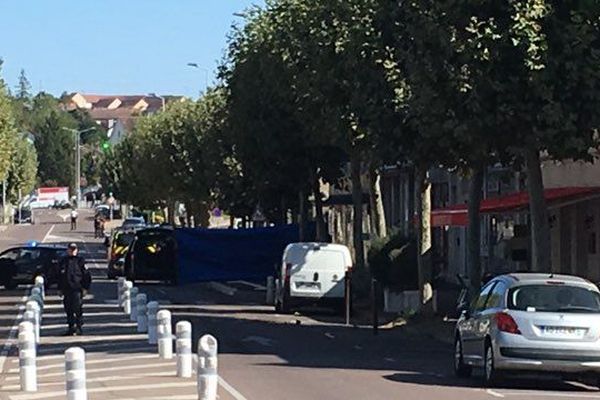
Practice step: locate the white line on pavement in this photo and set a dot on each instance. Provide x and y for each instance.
(90, 362)
(48, 234)
(61, 393)
(494, 393)
(11, 335)
(541, 393)
(236, 395)
(253, 285)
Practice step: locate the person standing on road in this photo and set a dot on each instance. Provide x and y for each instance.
(74, 281)
(74, 216)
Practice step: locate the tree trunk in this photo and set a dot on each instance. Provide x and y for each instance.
(538, 210)
(231, 221)
(320, 222)
(201, 216)
(474, 229)
(302, 216)
(357, 200)
(423, 187)
(376, 201)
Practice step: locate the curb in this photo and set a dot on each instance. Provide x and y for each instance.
(221, 288)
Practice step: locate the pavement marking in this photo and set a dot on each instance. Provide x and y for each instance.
(494, 393)
(236, 395)
(263, 341)
(175, 397)
(11, 336)
(95, 346)
(564, 395)
(222, 288)
(48, 234)
(91, 362)
(253, 285)
(129, 388)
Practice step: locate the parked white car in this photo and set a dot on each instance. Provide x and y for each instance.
(530, 322)
(312, 273)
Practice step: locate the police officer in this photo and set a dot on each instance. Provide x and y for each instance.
(74, 281)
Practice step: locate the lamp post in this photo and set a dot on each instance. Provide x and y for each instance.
(78, 159)
(197, 66)
(158, 97)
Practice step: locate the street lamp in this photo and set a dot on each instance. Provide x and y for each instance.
(78, 159)
(197, 66)
(158, 97)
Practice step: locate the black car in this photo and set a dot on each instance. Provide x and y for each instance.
(20, 265)
(118, 245)
(152, 256)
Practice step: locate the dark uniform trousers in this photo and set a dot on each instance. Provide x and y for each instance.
(73, 308)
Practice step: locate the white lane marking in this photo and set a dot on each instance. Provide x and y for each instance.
(48, 234)
(253, 285)
(46, 350)
(175, 397)
(263, 341)
(541, 393)
(232, 391)
(494, 393)
(129, 388)
(11, 336)
(91, 362)
(90, 371)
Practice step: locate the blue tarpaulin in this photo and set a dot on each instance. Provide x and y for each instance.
(231, 254)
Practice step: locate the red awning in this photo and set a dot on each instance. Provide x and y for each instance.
(457, 215)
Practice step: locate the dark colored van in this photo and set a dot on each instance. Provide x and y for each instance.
(152, 256)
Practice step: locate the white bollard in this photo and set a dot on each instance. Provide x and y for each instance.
(40, 282)
(142, 319)
(165, 334)
(27, 354)
(152, 329)
(35, 308)
(120, 285)
(29, 316)
(127, 298)
(36, 294)
(183, 346)
(208, 380)
(133, 315)
(75, 374)
(270, 290)
(25, 326)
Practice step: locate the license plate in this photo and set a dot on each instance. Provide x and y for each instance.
(309, 285)
(564, 331)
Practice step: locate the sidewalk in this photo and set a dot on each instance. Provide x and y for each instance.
(120, 364)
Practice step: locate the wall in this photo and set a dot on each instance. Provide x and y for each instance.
(571, 173)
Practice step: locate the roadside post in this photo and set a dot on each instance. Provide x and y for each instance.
(39, 282)
(127, 298)
(375, 310)
(34, 307)
(27, 355)
(208, 380)
(270, 290)
(183, 347)
(36, 294)
(75, 374)
(133, 296)
(29, 316)
(165, 335)
(348, 296)
(142, 319)
(151, 318)
(120, 285)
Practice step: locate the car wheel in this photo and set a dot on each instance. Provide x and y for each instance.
(492, 377)
(461, 369)
(10, 284)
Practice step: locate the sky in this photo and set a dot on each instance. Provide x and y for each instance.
(116, 46)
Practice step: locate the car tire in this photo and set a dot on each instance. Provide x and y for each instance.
(491, 376)
(461, 369)
(10, 284)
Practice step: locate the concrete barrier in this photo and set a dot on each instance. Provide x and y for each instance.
(183, 348)
(208, 379)
(151, 316)
(165, 334)
(27, 356)
(142, 319)
(75, 374)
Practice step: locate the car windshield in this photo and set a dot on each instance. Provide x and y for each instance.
(554, 298)
(124, 239)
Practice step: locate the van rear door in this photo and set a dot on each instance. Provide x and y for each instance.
(320, 273)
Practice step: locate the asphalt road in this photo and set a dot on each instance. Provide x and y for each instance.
(263, 355)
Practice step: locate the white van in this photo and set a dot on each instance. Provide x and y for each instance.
(310, 273)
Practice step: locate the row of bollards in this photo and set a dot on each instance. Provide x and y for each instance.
(29, 336)
(158, 325)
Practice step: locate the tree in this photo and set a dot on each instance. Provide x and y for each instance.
(22, 175)
(23, 89)
(7, 130)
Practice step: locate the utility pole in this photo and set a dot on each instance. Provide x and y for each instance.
(78, 160)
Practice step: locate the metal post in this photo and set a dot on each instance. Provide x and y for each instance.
(270, 290)
(183, 346)
(78, 169)
(165, 334)
(348, 296)
(75, 374)
(208, 380)
(133, 295)
(142, 319)
(151, 318)
(375, 308)
(27, 355)
(120, 284)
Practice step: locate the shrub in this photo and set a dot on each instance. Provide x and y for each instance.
(393, 262)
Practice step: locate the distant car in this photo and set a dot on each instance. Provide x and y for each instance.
(23, 216)
(312, 273)
(152, 256)
(104, 212)
(530, 322)
(133, 222)
(20, 265)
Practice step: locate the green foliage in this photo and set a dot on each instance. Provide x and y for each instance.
(7, 130)
(22, 175)
(393, 262)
